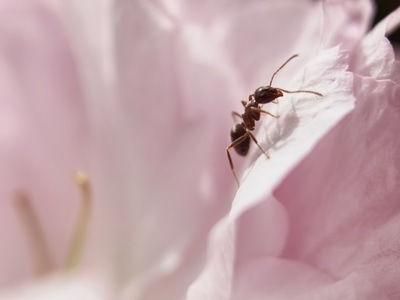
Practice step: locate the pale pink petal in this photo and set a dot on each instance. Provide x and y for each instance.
(175, 150)
(257, 36)
(259, 224)
(232, 246)
(215, 281)
(59, 288)
(171, 173)
(151, 98)
(285, 279)
(128, 158)
(345, 214)
(341, 242)
(362, 184)
(375, 55)
(346, 22)
(391, 22)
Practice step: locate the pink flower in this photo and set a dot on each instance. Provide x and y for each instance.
(320, 220)
(138, 95)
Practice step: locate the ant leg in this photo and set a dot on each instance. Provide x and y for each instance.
(244, 103)
(258, 145)
(264, 112)
(232, 168)
(235, 114)
(233, 145)
(301, 91)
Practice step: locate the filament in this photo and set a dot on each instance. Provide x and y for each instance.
(34, 232)
(77, 245)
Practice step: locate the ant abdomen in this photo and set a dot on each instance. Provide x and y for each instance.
(239, 132)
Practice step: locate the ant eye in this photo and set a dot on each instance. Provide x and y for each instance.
(266, 94)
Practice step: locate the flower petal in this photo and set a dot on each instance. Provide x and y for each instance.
(259, 224)
(345, 214)
(59, 288)
(375, 56)
(346, 22)
(361, 187)
(168, 189)
(257, 36)
(283, 279)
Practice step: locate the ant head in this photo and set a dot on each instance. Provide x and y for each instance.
(266, 94)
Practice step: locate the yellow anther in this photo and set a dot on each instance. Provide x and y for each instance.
(81, 178)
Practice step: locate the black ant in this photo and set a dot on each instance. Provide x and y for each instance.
(241, 132)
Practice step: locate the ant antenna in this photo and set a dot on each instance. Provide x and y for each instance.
(280, 68)
(285, 91)
(301, 91)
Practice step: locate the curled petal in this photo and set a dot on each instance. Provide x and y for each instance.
(346, 22)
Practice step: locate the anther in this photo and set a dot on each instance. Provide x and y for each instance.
(76, 249)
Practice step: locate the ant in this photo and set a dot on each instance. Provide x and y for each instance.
(241, 133)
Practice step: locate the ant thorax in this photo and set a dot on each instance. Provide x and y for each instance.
(251, 103)
(250, 116)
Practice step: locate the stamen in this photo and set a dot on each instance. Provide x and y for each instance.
(76, 248)
(35, 235)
